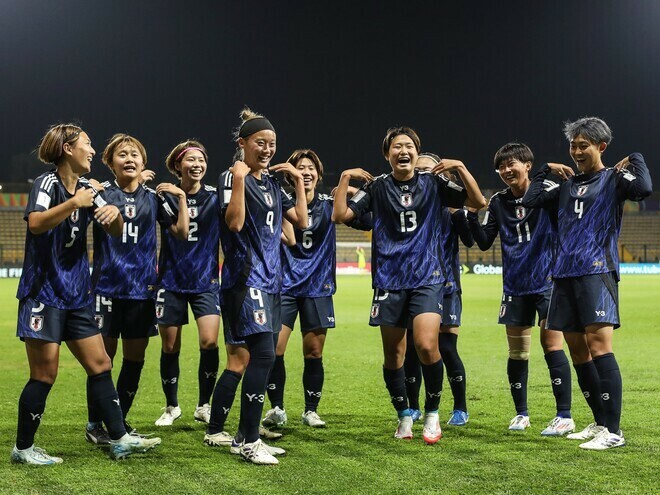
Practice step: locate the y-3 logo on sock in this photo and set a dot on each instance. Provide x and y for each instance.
(36, 417)
(605, 396)
(517, 385)
(586, 394)
(226, 410)
(258, 397)
(311, 393)
(211, 374)
(131, 394)
(556, 381)
(455, 379)
(170, 381)
(397, 399)
(271, 386)
(432, 395)
(116, 401)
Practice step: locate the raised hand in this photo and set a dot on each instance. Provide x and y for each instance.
(239, 169)
(561, 170)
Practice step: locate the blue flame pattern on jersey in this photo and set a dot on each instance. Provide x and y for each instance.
(309, 266)
(590, 209)
(191, 266)
(528, 237)
(252, 256)
(56, 266)
(407, 247)
(125, 266)
(454, 226)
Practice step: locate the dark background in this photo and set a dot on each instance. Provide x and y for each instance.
(333, 76)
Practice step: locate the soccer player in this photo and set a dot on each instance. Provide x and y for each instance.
(124, 275)
(188, 274)
(54, 293)
(454, 225)
(253, 204)
(584, 303)
(528, 242)
(407, 267)
(307, 289)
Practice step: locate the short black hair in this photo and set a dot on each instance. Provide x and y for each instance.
(513, 151)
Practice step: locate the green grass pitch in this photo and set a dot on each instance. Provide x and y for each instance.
(357, 452)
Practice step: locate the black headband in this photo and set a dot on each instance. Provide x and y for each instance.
(251, 126)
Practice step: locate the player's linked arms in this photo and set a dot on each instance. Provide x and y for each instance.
(561, 170)
(146, 176)
(239, 170)
(166, 187)
(358, 174)
(291, 172)
(622, 165)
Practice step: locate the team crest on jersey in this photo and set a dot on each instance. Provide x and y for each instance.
(75, 215)
(268, 198)
(159, 310)
(129, 210)
(581, 190)
(260, 316)
(193, 212)
(520, 212)
(375, 309)
(502, 310)
(406, 199)
(99, 320)
(36, 322)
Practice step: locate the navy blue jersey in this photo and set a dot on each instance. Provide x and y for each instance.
(125, 266)
(454, 226)
(590, 208)
(406, 245)
(191, 265)
(528, 237)
(56, 267)
(252, 256)
(309, 266)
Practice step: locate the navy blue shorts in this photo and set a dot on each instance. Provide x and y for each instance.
(315, 312)
(580, 301)
(37, 321)
(395, 308)
(247, 311)
(172, 307)
(521, 311)
(452, 307)
(125, 318)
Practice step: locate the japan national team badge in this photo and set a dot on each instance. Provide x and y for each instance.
(581, 190)
(268, 198)
(375, 309)
(406, 199)
(260, 316)
(74, 215)
(520, 212)
(36, 322)
(192, 212)
(129, 211)
(159, 310)
(99, 320)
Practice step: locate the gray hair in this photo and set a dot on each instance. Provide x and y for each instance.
(593, 129)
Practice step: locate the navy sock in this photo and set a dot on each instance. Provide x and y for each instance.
(433, 375)
(104, 396)
(313, 376)
(223, 398)
(262, 355)
(276, 382)
(610, 389)
(395, 382)
(169, 376)
(589, 382)
(517, 371)
(93, 415)
(127, 383)
(31, 406)
(209, 362)
(455, 368)
(560, 378)
(413, 372)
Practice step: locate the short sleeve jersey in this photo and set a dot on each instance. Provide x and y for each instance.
(252, 256)
(125, 266)
(191, 265)
(56, 266)
(590, 210)
(309, 266)
(407, 245)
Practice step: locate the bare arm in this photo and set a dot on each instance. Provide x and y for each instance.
(288, 237)
(341, 213)
(235, 213)
(475, 198)
(179, 229)
(43, 221)
(298, 214)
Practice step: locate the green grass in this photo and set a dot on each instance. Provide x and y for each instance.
(357, 453)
